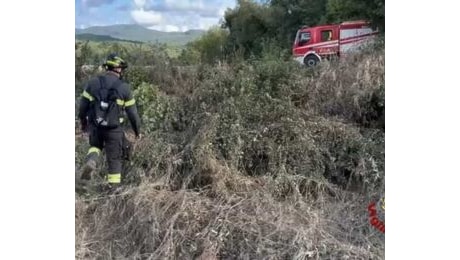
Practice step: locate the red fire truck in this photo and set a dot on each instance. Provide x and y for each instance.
(313, 44)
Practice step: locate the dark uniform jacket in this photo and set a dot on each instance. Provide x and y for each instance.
(127, 101)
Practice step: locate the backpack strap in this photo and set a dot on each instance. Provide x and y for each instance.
(101, 81)
(104, 91)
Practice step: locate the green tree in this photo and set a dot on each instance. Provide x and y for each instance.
(372, 10)
(211, 46)
(248, 24)
(289, 15)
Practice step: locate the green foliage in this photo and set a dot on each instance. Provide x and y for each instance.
(251, 24)
(136, 75)
(273, 117)
(154, 108)
(209, 48)
(289, 16)
(148, 55)
(83, 53)
(189, 56)
(248, 24)
(372, 10)
(99, 38)
(137, 54)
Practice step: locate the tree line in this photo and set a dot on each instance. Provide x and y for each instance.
(252, 27)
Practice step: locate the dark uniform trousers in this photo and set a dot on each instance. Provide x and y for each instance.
(112, 141)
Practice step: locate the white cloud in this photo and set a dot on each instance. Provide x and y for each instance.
(185, 5)
(221, 11)
(146, 17)
(210, 9)
(180, 15)
(139, 3)
(166, 28)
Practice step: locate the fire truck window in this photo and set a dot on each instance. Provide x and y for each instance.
(304, 38)
(326, 35)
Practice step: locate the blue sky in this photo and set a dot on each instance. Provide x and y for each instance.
(164, 15)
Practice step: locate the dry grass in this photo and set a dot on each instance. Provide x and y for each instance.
(233, 223)
(261, 168)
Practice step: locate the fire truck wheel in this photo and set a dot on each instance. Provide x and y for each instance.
(311, 60)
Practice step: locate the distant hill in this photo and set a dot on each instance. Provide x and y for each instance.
(134, 32)
(100, 38)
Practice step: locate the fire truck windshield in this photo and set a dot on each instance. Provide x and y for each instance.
(304, 38)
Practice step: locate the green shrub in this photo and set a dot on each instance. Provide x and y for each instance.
(154, 107)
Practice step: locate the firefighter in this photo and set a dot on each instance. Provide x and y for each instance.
(104, 101)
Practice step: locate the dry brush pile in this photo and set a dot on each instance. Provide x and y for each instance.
(261, 159)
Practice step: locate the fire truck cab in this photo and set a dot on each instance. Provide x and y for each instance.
(313, 44)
